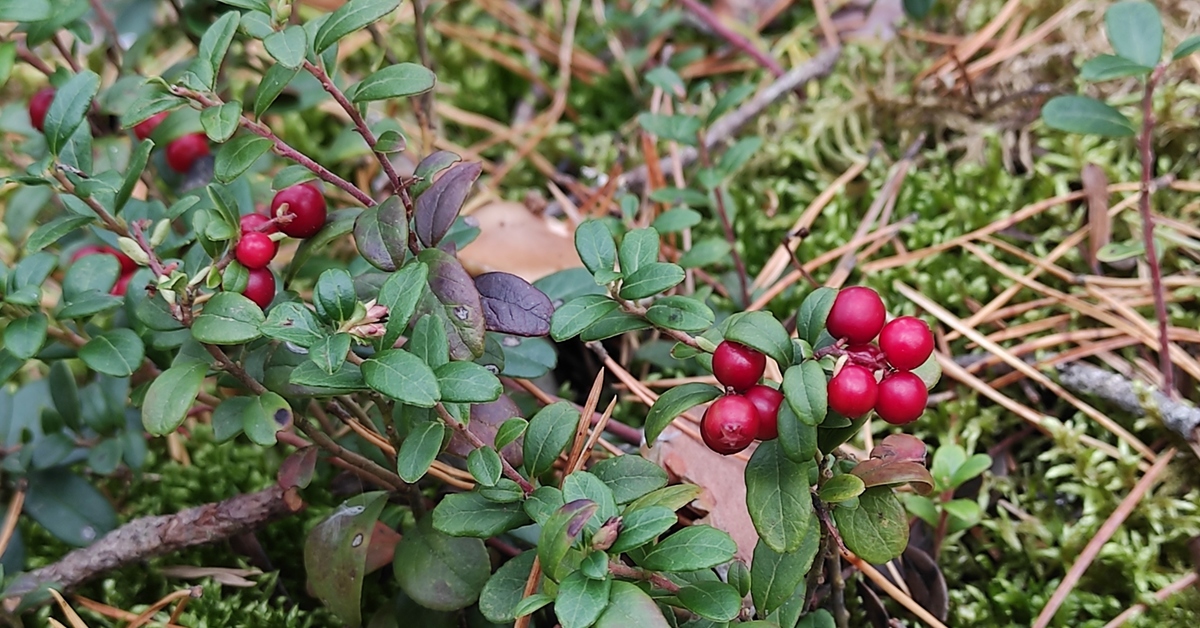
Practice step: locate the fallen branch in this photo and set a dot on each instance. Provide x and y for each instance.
(728, 124)
(156, 535)
(1122, 392)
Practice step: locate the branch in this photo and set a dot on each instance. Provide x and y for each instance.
(1083, 378)
(733, 37)
(458, 426)
(160, 534)
(659, 581)
(110, 223)
(730, 123)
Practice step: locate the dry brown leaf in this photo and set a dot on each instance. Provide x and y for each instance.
(515, 240)
(721, 477)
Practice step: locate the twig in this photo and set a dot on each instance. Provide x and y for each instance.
(28, 56)
(1085, 379)
(892, 590)
(156, 535)
(730, 123)
(531, 585)
(1105, 533)
(12, 517)
(110, 29)
(109, 221)
(727, 226)
(357, 460)
(424, 101)
(658, 580)
(459, 427)
(733, 37)
(1156, 285)
(66, 53)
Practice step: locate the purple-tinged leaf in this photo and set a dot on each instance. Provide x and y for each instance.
(456, 301)
(899, 459)
(559, 533)
(512, 305)
(431, 165)
(296, 471)
(438, 206)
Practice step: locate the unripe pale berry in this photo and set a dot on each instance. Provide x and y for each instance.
(857, 315)
(853, 391)
(767, 401)
(306, 204)
(729, 425)
(907, 342)
(902, 398)
(738, 366)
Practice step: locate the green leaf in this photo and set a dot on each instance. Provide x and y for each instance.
(500, 596)
(227, 418)
(467, 382)
(694, 547)
(578, 314)
(584, 485)
(672, 497)
(543, 502)
(68, 109)
(288, 46)
(390, 141)
(946, 461)
(1087, 116)
(629, 606)
(651, 279)
(228, 318)
(580, 600)
(969, 469)
(400, 294)
(237, 156)
(24, 337)
(676, 220)
(334, 295)
(643, 526)
(273, 82)
(964, 509)
(1134, 29)
(291, 321)
(762, 331)
(778, 498)
(558, 534)
(402, 376)
(53, 231)
(678, 128)
(213, 46)
(381, 234)
(629, 476)
(472, 514)
(877, 531)
(595, 245)
(917, 9)
(419, 450)
(395, 81)
(68, 507)
(548, 434)
(335, 554)
(805, 390)
(1105, 67)
(613, 324)
(329, 353)
(350, 17)
(715, 601)
(428, 341)
(456, 302)
(738, 577)
(675, 402)
(797, 439)
(509, 431)
(265, 415)
(137, 164)
(1186, 48)
(680, 313)
(220, 122)
(639, 248)
(736, 157)
(253, 5)
(170, 397)
(25, 10)
(840, 488)
(65, 393)
(706, 252)
(439, 571)
(810, 318)
(484, 465)
(118, 353)
(776, 577)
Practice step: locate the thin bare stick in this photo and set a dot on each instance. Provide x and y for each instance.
(1156, 284)
(1106, 531)
(658, 580)
(734, 38)
(892, 590)
(1160, 596)
(12, 517)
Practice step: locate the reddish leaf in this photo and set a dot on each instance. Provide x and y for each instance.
(899, 459)
(438, 206)
(486, 419)
(512, 305)
(297, 469)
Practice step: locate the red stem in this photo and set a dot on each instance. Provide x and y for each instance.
(1156, 285)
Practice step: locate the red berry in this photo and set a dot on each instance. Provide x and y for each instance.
(907, 342)
(738, 366)
(39, 105)
(306, 204)
(252, 222)
(122, 284)
(729, 424)
(256, 250)
(127, 263)
(857, 315)
(853, 391)
(184, 151)
(766, 400)
(144, 128)
(902, 398)
(260, 288)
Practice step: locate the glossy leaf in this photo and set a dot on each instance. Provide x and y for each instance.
(762, 331)
(512, 305)
(580, 600)
(51, 232)
(213, 46)
(456, 302)
(430, 166)
(500, 596)
(877, 531)
(1106, 67)
(395, 81)
(25, 336)
(680, 313)
(292, 322)
(596, 247)
(400, 294)
(438, 206)
(775, 577)
(797, 439)
(574, 316)
(629, 477)
(814, 310)
(1084, 115)
(1186, 48)
(806, 391)
(118, 353)
(840, 488)
(288, 46)
(630, 606)
(639, 248)
(264, 416)
(643, 526)
(467, 382)
(68, 507)
(778, 498)
(694, 547)
(220, 122)
(402, 376)
(274, 81)
(348, 18)
(472, 514)
(548, 434)
(381, 234)
(335, 554)
(898, 459)
(584, 485)
(651, 279)
(559, 533)
(334, 295)
(228, 318)
(714, 601)
(236, 156)
(170, 397)
(674, 402)
(484, 465)
(68, 109)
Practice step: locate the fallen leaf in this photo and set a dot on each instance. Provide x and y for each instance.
(514, 240)
(723, 479)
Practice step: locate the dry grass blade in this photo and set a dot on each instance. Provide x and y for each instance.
(1095, 183)
(182, 595)
(112, 612)
(892, 590)
(973, 44)
(953, 321)
(1160, 596)
(1036, 35)
(531, 585)
(72, 617)
(1105, 533)
(585, 419)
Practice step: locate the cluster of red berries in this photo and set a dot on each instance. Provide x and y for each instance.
(182, 152)
(750, 411)
(128, 266)
(304, 205)
(905, 343)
